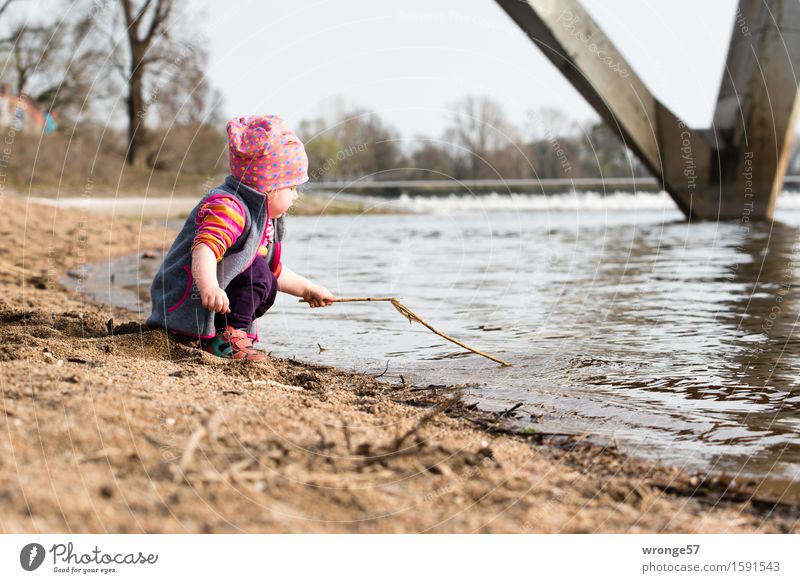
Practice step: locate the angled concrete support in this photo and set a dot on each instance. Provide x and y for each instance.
(731, 171)
(756, 112)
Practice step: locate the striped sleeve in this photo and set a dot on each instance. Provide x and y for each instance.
(220, 221)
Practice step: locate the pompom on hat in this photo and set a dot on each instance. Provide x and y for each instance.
(264, 154)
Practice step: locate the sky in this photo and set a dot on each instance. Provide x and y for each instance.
(410, 61)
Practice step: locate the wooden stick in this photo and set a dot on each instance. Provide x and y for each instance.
(209, 428)
(339, 300)
(15, 269)
(362, 300)
(412, 317)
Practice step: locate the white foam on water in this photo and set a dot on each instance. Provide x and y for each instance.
(788, 201)
(573, 201)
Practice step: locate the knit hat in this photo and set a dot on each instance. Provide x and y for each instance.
(265, 154)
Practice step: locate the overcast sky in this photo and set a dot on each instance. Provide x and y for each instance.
(409, 61)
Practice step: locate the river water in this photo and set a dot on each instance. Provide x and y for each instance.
(621, 319)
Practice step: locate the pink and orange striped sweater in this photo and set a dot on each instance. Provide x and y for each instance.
(220, 222)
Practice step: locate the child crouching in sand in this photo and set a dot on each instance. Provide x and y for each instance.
(224, 268)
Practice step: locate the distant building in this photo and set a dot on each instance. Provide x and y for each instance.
(24, 114)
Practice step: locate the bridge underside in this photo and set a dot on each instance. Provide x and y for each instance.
(735, 169)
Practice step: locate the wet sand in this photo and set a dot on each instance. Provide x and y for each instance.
(110, 428)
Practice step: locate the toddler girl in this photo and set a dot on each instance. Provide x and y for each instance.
(224, 268)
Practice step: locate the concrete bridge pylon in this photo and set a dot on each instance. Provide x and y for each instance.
(731, 171)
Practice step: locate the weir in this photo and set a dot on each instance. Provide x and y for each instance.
(735, 169)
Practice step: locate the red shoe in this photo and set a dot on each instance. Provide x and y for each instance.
(234, 344)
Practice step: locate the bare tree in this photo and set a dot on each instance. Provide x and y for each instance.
(163, 72)
(369, 146)
(5, 43)
(552, 144)
(548, 123)
(70, 77)
(431, 160)
(146, 25)
(29, 49)
(56, 65)
(351, 142)
(477, 125)
(181, 93)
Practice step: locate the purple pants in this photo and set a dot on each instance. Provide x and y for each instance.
(251, 294)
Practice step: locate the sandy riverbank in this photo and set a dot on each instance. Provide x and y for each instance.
(133, 432)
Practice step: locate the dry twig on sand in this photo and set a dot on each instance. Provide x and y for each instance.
(440, 408)
(209, 428)
(412, 317)
(396, 448)
(10, 267)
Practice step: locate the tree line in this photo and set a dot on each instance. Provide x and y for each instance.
(478, 142)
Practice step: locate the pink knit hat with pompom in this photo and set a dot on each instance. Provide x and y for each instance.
(265, 154)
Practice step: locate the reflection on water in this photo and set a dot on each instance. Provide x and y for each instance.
(676, 339)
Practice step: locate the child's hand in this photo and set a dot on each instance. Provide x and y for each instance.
(318, 296)
(215, 299)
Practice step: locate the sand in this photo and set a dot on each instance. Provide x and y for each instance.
(110, 428)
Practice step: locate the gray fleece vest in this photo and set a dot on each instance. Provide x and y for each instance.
(176, 301)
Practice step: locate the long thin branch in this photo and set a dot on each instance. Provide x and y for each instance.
(127, 12)
(5, 5)
(162, 12)
(138, 18)
(364, 300)
(412, 317)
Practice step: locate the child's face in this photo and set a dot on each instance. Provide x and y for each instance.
(281, 201)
